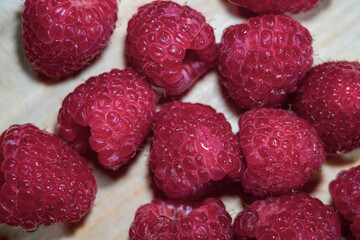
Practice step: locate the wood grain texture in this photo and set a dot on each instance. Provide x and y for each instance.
(335, 26)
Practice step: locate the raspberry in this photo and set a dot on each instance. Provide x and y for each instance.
(112, 112)
(330, 100)
(288, 217)
(42, 180)
(281, 150)
(171, 44)
(193, 147)
(61, 37)
(276, 6)
(173, 220)
(345, 193)
(263, 60)
(355, 228)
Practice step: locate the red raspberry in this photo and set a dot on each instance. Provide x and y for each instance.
(193, 146)
(345, 193)
(171, 44)
(288, 217)
(263, 60)
(42, 180)
(113, 112)
(355, 227)
(172, 220)
(281, 150)
(330, 100)
(61, 37)
(277, 6)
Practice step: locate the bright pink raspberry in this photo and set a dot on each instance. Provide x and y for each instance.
(171, 44)
(42, 180)
(297, 216)
(112, 112)
(329, 99)
(277, 6)
(281, 151)
(345, 192)
(193, 147)
(160, 220)
(264, 60)
(61, 37)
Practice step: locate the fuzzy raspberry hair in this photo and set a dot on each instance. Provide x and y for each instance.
(288, 217)
(277, 6)
(281, 151)
(264, 60)
(42, 180)
(113, 112)
(329, 99)
(61, 37)
(193, 147)
(173, 220)
(171, 44)
(345, 193)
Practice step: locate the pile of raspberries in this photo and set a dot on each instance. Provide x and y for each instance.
(265, 65)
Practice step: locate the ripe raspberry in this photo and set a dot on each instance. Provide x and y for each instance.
(113, 112)
(173, 220)
(171, 44)
(281, 150)
(42, 180)
(263, 60)
(345, 193)
(330, 100)
(355, 227)
(61, 37)
(193, 146)
(288, 217)
(276, 6)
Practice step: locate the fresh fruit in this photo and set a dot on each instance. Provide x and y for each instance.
(297, 216)
(345, 193)
(171, 44)
(42, 180)
(276, 6)
(112, 112)
(193, 147)
(264, 60)
(174, 220)
(330, 100)
(281, 151)
(61, 37)
(355, 227)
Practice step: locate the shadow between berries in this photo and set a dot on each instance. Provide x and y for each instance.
(230, 103)
(236, 11)
(347, 159)
(71, 228)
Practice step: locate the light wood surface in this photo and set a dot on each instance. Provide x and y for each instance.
(335, 26)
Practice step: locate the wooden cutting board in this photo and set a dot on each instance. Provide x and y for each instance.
(335, 26)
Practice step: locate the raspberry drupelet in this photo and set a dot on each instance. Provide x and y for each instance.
(112, 112)
(171, 44)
